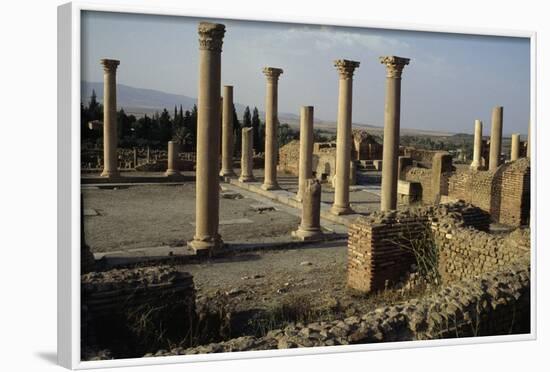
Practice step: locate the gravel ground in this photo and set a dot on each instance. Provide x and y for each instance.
(155, 215)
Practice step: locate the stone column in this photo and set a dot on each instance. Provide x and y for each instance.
(514, 152)
(496, 138)
(227, 132)
(135, 158)
(306, 149)
(310, 227)
(172, 168)
(110, 142)
(148, 155)
(247, 155)
(478, 143)
(343, 136)
(271, 124)
(392, 113)
(206, 237)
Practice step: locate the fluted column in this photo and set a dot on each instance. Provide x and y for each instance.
(392, 116)
(478, 143)
(247, 155)
(172, 168)
(514, 151)
(110, 141)
(306, 149)
(227, 132)
(271, 123)
(208, 139)
(343, 136)
(496, 138)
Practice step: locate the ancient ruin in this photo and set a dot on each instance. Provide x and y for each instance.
(339, 236)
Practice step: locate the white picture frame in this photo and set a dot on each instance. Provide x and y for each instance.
(69, 182)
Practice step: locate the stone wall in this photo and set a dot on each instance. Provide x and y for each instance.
(497, 303)
(379, 245)
(289, 157)
(419, 155)
(132, 309)
(505, 193)
(365, 146)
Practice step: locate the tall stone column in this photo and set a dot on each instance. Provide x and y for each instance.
(392, 116)
(172, 168)
(271, 125)
(496, 138)
(227, 132)
(306, 149)
(478, 143)
(206, 237)
(110, 142)
(310, 227)
(247, 155)
(514, 152)
(343, 136)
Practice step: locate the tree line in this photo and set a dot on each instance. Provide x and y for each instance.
(181, 126)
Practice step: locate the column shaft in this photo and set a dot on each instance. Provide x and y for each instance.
(496, 138)
(392, 113)
(478, 143)
(172, 169)
(110, 141)
(271, 128)
(208, 139)
(227, 132)
(514, 151)
(247, 156)
(306, 149)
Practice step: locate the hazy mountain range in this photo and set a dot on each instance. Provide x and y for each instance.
(140, 101)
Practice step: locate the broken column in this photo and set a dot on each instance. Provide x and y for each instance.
(148, 155)
(172, 168)
(514, 152)
(392, 112)
(496, 138)
(247, 155)
(343, 136)
(306, 149)
(227, 132)
(478, 143)
(206, 237)
(271, 124)
(110, 142)
(310, 227)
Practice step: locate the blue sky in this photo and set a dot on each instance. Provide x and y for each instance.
(451, 81)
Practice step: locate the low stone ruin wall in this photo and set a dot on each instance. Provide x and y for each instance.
(496, 303)
(162, 165)
(419, 155)
(289, 157)
(132, 311)
(379, 245)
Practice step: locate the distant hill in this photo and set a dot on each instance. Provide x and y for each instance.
(140, 101)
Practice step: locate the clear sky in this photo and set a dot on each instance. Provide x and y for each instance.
(451, 80)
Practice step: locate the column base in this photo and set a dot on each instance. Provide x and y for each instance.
(308, 234)
(227, 173)
(172, 173)
(341, 210)
(247, 179)
(270, 186)
(110, 174)
(206, 245)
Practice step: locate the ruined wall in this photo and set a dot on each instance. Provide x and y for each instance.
(365, 146)
(419, 155)
(120, 308)
(379, 251)
(505, 193)
(496, 303)
(289, 157)
(422, 176)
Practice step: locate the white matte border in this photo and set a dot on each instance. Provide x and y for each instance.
(69, 323)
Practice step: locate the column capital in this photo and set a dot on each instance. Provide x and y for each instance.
(109, 65)
(394, 65)
(272, 73)
(345, 68)
(211, 36)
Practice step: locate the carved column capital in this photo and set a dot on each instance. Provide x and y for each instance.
(211, 36)
(110, 65)
(346, 68)
(272, 73)
(394, 65)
